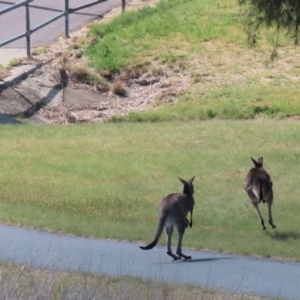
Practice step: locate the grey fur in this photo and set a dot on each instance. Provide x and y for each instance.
(173, 211)
(259, 187)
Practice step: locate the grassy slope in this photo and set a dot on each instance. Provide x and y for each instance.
(152, 32)
(106, 180)
(203, 41)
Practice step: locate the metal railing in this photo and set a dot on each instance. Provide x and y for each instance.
(29, 30)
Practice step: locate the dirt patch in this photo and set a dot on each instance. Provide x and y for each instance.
(61, 69)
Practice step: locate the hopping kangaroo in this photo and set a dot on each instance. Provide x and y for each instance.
(258, 185)
(173, 211)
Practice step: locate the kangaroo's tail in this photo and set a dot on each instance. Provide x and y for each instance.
(159, 230)
(151, 245)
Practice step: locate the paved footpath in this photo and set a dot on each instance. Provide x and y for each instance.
(224, 272)
(13, 23)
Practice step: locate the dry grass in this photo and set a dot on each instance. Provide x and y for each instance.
(118, 88)
(77, 70)
(19, 282)
(223, 64)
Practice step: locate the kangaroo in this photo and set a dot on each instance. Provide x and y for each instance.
(258, 185)
(173, 211)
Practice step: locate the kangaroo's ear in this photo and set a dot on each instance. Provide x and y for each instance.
(192, 179)
(254, 162)
(182, 181)
(260, 160)
(257, 164)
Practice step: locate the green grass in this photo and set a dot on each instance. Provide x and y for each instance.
(106, 180)
(169, 25)
(205, 42)
(14, 62)
(232, 102)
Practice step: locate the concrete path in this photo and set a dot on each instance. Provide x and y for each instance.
(224, 272)
(13, 23)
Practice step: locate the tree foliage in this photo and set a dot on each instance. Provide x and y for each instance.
(282, 15)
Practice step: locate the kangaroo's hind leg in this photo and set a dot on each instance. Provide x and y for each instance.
(255, 204)
(270, 214)
(169, 231)
(181, 229)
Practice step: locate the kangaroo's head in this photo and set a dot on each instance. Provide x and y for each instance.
(258, 163)
(188, 187)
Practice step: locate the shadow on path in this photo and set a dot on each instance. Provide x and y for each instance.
(200, 260)
(33, 106)
(207, 259)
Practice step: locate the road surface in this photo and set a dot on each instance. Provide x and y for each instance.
(224, 272)
(13, 22)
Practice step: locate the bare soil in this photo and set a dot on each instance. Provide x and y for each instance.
(64, 67)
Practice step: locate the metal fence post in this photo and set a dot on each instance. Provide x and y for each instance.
(27, 30)
(123, 5)
(67, 18)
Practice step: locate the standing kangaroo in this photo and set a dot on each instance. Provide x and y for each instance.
(173, 211)
(258, 185)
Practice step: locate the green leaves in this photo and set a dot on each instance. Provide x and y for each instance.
(278, 14)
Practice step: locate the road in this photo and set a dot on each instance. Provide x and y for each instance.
(224, 272)
(13, 23)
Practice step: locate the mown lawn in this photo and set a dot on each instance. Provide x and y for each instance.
(106, 180)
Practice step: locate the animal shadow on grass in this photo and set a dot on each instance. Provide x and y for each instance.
(284, 235)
